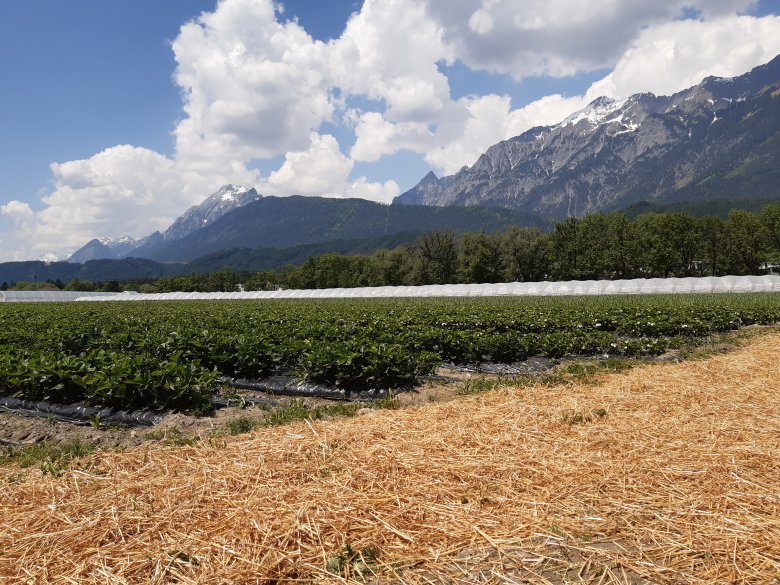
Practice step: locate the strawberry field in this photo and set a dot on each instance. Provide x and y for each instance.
(171, 355)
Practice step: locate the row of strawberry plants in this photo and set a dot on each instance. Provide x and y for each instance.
(168, 354)
(107, 378)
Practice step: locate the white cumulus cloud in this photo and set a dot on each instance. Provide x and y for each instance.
(676, 55)
(362, 188)
(313, 171)
(556, 37)
(256, 86)
(390, 51)
(16, 209)
(253, 87)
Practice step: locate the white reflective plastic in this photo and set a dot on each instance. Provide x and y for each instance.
(41, 296)
(709, 284)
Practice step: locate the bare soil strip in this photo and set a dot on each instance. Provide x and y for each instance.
(665, 474)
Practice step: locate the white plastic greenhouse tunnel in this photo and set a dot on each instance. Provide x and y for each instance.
(712, 284)
(42, 296)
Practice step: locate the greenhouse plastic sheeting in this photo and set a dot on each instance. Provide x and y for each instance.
(42, 296)
(711, 284)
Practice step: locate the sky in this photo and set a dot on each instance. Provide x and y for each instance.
(116, 116)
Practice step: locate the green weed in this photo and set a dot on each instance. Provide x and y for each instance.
(575, 417)
(297, 411)
(53, 458)
(354, 563)
(171, 438)
(242, 425)
(482, 384)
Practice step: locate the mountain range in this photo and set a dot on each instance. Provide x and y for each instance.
(718, 139)
(227, 198)
(104, 248)
(282, 222)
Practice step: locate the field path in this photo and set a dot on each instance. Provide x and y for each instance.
(663, 474)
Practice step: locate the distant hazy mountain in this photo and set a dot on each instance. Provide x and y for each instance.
(104, 248)
(718, 139)
(281, 222)
(226, 199)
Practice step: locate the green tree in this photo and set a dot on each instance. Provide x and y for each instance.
(668, 244)
(525, 254)
(80, 285)
(480, 259)
(713, 243)
(747, 242)
(770, 216)
(565, 249)
(607, 246)
(224, 280)
(438, 256)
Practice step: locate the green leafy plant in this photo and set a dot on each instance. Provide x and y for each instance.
(53, 458)
(575, 417)
(351, 562)
(170, 355)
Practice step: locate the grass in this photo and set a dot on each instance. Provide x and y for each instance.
(241, 425)
(298, 410)
(53, 458)
(351, 563)
(171, 437)
(484, 384)
(295, 411)
(580, 372)
(389, 403)
(584, 370)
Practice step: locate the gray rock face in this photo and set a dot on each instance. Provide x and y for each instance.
(712, 139)
(226, 199)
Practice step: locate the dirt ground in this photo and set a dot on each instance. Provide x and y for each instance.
(19, 430)
(447, 384)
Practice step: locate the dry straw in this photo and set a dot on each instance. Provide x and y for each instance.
(665, 474)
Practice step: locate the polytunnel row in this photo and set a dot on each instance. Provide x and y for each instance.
(42, 296)
(712, 284)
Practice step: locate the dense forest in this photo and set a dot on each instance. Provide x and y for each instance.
(598, 246)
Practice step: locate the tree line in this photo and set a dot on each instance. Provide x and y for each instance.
(595, 247)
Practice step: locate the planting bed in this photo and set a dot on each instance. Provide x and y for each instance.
(160, 356)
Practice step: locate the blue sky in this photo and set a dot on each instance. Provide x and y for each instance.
(82, 75)
(148, 106)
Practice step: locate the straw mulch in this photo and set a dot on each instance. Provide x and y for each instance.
(679, 482)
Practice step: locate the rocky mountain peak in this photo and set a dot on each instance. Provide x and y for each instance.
(615, 152)
(429, 178)
(595, 112)
(106, 247)
(225, 199)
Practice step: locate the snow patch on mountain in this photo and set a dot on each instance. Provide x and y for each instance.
(49, 258)
(227, 198)
(596, 112)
